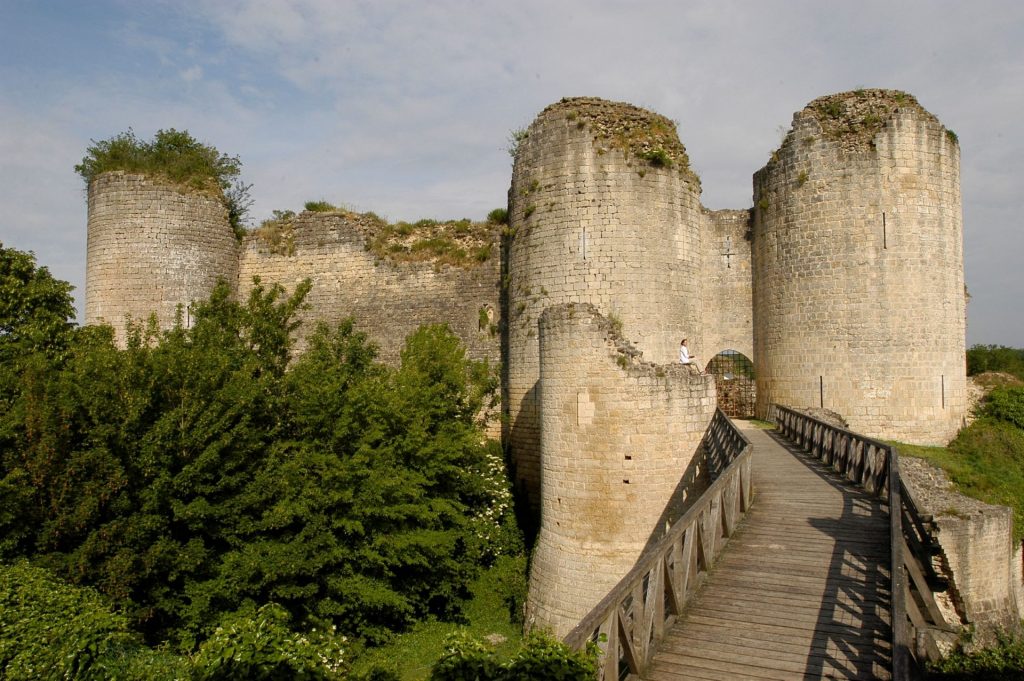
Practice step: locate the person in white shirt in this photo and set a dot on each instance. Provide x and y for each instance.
(684, 353)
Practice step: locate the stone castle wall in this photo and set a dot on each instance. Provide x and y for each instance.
(389, 300)
(593, 221)
(619, 442)
(858, 268)
(152, 247)
(727, 282)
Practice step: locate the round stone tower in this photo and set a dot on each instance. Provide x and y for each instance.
(152, 246)
(859, 302)
(603, 209)
(620, 440)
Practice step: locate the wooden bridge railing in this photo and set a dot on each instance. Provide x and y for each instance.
(875, 466)
(630, 621)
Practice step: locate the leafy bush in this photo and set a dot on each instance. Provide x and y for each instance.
(541, 657)
(176, 156)
(320, 206)
(1005, 404)
(49, 630)
(1002, 662)
(498, 216)
(194, 472)
(259, 646)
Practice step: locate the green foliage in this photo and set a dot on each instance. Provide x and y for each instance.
(498, 216)
(1005, 404)
(542, 657)
(193, 472)
(320, 206)
(259, 646)
(657, 157)
(952, 136)
(983, 358)
(1001, 662)
(176, 156)
(202, 473)
(461, 243)
(49, 630)
(515, 140)
(984, 461)
(411, 655)
(35, 310)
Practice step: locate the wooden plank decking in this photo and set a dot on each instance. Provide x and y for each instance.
(801, 591)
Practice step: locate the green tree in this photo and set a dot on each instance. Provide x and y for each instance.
(982, 358)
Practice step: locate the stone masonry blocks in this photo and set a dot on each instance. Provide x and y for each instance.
(592, 223)
(151, 248)
(619, 441)
(858, 296)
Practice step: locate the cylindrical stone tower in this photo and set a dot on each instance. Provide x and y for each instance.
(858, 268)
(619, 450)
(152, 247)
(604, 209)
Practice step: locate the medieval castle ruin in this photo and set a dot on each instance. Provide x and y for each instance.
(843, 287)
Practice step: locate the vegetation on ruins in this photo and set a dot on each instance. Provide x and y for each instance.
(175, 156)
(1003, 661)
(277, 233)
(204, 490)
(857, 116)
(984, 461)
(634, 131)
(321, 206)
(457, 243)
(498, 216)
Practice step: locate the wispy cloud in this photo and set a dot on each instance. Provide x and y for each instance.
(404, 107)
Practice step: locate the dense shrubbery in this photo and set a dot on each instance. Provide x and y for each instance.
(541, 657)
(197, 476)
(178, 157)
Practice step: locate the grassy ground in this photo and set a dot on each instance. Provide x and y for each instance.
(414, 653)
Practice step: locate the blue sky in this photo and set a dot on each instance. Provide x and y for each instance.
(405, 108)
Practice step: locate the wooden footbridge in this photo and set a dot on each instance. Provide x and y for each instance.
(814, 580)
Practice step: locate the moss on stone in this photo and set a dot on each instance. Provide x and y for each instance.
(855, 117)
(459, 243)
(636, 132)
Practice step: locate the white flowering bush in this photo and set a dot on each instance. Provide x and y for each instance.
(493, 519)
(260, 647)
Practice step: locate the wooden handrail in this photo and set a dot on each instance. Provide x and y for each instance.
(629, 622)
(874, 465)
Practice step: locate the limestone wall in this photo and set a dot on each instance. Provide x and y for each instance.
(727, 284)
(858, 296)
(619, 438)
(389, 300)
(151, 247)
(977, 545)
(603, 210)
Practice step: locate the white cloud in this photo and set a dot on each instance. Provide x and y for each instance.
(192, 74)
(404, 107)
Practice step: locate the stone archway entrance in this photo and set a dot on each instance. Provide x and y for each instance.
(734, 381)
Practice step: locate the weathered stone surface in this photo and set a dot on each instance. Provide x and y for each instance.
(858, 269)
(619, 440)
(593, 222)
(152, 247)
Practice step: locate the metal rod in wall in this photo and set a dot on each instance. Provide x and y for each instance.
(885, 239)
(821, 391)
(943, 391)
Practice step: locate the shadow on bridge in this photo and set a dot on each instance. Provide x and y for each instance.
(855, 604)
